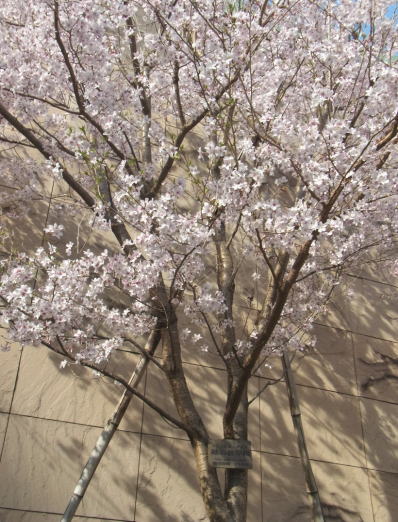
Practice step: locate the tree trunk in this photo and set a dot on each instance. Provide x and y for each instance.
(236, 480)
(216, 506)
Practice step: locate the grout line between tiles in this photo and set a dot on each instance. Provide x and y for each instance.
(140, 448)
(88, 517)
(12, 399)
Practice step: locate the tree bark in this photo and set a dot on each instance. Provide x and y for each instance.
(216, 506)
(236, 480)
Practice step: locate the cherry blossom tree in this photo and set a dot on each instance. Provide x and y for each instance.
(224, 146)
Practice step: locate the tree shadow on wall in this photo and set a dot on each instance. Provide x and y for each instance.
(151, 477)
(167, 485)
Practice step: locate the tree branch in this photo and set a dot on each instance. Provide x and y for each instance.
(125, 384)
(28, 134)
(76, 90)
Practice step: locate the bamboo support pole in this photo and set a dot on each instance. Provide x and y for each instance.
(108, 431)
(312, 487)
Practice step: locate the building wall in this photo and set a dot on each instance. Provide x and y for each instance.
(51, 417)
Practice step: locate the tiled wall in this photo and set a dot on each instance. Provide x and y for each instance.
(50, 418)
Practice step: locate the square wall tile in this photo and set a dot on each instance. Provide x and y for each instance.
(9, 515)
(377, 371)
(3, 427)
(208, 388)
(332, 426)
(26, 230)
(254, 506)
(168, 488)
(74, 393)
(194, 353)
(270, 367)
(366, 307)
(330, 365)
(380, 420)
(112, 491)
(158, 391)
(344, 492)
(8, 372)
(42, 461)
(338, 314)
(384, 488)
(276, 425)
(254, 434)
(284, 496)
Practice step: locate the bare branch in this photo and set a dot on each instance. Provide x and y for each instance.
(178, 95)
(125, 384)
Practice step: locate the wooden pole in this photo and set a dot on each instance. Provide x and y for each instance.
(108, 431)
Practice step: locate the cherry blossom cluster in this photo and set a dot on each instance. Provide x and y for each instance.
(249, 144)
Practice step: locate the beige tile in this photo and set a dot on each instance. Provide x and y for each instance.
(168, 488)
(42, 461)
(276, 426)
(194, 355)
(330, 364)
(344, 492)
(73, 393)
(112, 490)
(209, 394)
(8, 373)
(3, 427)
(98, 519)
(376, 309)
(26, 231)
(254, 508)
(11, 515)
(254, 414)
(370, 308)
(284, 495)
(332, 425)
(339, 310)
(380, 421)
(377, 371)
(8, 515)
(384, 487)
(77, 222)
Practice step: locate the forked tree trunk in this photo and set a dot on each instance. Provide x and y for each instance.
(231, 505)
(215, 503)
